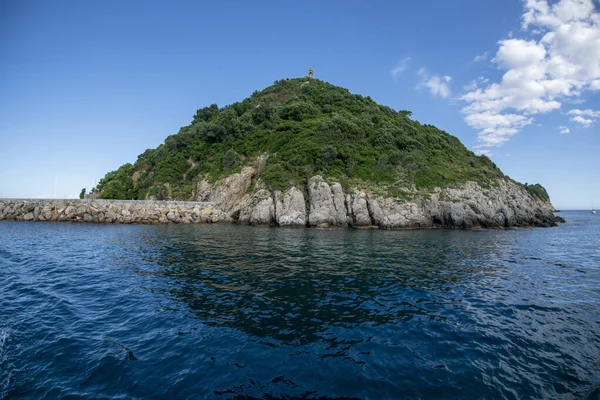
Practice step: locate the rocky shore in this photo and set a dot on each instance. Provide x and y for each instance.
(324, 205)
(239, 199)
(106, 211)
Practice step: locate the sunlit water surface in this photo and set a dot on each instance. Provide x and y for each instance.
(218, 311)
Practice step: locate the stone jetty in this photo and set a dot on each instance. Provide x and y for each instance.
(108, 211)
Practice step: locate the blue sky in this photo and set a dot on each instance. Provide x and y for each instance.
(86, 86)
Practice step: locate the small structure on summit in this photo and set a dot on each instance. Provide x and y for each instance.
(310, 73)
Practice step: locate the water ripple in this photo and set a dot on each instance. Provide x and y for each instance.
(237, 312)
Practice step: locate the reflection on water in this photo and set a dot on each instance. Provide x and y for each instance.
(240, 312)
(293, 285)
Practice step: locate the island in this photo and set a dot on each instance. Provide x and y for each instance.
(305, 153)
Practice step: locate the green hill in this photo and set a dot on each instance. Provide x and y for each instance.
(298, 128)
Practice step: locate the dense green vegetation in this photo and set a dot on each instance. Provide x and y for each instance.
(303, 128)
(537, 191)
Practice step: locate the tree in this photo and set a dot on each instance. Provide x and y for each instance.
(82, 193)
(204, 114)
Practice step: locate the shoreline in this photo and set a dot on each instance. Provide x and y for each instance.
(152, 212)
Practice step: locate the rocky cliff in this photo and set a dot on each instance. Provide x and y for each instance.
(241, 199)
(322, 204)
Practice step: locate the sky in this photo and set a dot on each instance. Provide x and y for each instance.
(86, 86)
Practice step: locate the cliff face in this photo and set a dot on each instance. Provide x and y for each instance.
(321, 205)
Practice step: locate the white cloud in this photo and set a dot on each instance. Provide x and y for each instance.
(485, 120)
(437, 85)
(481, 57)
(518, 53)
(496, 129)
(579, 116)
(585, 122)
(539, 12)
(539, 74)
(564, 130)
(587, 113)
(475, 83)
(400, 68)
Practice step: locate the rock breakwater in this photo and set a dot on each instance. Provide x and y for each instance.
(107, 211)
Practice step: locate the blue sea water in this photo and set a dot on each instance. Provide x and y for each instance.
(219, 311)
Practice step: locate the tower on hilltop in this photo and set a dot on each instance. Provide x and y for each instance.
(310, 73)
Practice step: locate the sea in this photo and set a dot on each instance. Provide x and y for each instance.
(237, 312)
